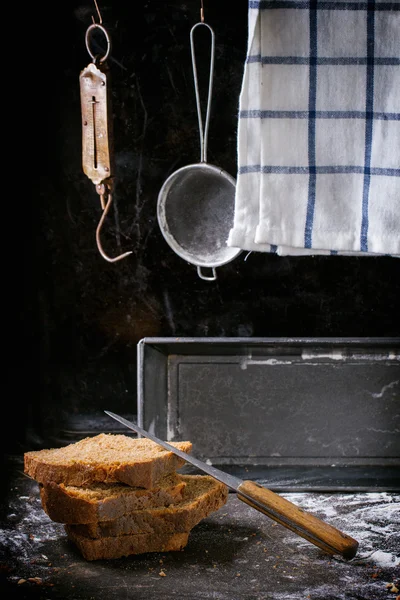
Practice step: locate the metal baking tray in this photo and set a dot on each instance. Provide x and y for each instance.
(292, 413)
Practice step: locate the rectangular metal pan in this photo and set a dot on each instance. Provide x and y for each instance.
(293, 413)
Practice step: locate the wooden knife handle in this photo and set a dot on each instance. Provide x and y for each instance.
(294, 518)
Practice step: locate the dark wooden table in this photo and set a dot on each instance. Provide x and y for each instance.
(236, 553)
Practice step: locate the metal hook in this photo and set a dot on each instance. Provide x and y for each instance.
(106, 208)
(98, 12)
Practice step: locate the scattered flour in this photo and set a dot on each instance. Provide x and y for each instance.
(373, 519)
(384, 559)
(27, 528)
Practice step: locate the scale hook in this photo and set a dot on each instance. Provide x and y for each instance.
(106, 208)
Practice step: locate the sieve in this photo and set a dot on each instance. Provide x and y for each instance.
(195, 206)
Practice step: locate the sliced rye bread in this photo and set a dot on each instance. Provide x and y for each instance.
(126, 545)
(106, 501)
(109, 458)
(202, 496)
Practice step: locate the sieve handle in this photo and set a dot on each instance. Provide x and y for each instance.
(203, 132)
(212, 277)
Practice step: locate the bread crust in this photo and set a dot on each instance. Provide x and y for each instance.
(118, 496)
(202, 496)
(110, 458)
(126, 545)
(104, 502)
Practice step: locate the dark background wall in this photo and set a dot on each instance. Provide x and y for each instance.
(76, 318)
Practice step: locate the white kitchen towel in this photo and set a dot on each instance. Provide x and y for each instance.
(319, 129)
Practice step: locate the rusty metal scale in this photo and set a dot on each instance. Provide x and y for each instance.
(97, 146)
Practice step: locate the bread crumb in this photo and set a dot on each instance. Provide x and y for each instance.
(21, 581)
(162, 574)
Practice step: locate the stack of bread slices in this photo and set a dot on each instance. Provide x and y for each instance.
(118, 495)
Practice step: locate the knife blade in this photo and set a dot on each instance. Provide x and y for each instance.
(305, 524)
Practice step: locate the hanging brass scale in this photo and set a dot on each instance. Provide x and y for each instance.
(96, 130)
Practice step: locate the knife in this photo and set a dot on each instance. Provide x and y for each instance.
(304, 524)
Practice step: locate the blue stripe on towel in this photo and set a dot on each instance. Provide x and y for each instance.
(319, 114)
(312, 103)
(282, 170)
(369, 106)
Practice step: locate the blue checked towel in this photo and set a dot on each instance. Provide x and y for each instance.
(319, 129)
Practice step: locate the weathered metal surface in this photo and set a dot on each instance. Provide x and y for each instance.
(96, 157)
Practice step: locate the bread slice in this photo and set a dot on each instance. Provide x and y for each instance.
(202, 495)
(106, 501)
(125, 545)
(106, 457)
